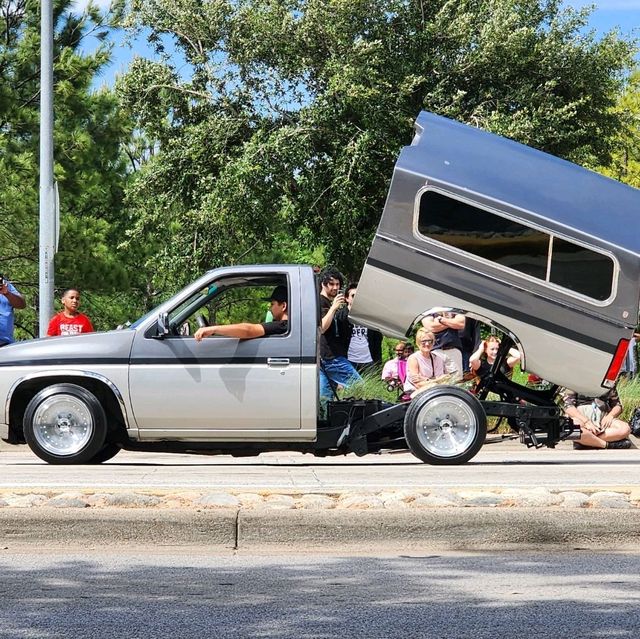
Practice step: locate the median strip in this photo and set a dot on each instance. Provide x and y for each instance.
(451, 498)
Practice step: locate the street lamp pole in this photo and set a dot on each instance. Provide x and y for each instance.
(47, 191)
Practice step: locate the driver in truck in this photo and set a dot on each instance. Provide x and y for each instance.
(279, 308)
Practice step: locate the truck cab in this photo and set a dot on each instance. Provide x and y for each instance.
(180, 388)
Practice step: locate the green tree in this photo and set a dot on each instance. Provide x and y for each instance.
(90, 167)
(272, 118)
(625, 164)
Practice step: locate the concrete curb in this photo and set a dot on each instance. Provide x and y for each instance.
(427, 529)
(450, 529)
(117, 527)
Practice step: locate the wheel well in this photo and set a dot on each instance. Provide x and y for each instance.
(484, 320)
(27, 389)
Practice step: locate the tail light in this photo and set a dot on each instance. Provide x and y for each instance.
(616, 364)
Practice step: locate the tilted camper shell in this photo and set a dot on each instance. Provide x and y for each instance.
(544, 249)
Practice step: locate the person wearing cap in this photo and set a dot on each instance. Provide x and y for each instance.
(245, 330)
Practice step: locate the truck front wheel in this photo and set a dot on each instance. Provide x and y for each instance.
(65, 424)
(445, 425)
(108, 451)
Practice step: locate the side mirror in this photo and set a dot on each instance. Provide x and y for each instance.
(163, 325)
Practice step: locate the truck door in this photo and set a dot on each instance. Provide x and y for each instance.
(221, 387)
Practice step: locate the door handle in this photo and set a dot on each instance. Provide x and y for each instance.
(277, 361)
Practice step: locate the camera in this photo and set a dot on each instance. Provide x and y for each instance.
(393, 385)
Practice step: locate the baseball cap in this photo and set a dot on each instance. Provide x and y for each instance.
(280, 294)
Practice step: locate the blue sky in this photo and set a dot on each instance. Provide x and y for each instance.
(608, 15)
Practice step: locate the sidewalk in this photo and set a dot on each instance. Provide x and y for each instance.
(552, 499)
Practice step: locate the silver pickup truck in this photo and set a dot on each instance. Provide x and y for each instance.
(543, 250)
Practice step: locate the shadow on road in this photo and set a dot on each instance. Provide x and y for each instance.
(481, 596)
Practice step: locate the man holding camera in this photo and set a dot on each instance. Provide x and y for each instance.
(10, 299)
(335, 336)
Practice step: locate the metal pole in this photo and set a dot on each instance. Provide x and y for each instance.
(47, 196)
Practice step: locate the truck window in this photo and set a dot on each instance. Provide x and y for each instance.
(579, 269)
(241, 304)
(514, 245)
(227, 301)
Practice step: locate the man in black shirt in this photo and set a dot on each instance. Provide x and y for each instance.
(279, 309)
(335, 335)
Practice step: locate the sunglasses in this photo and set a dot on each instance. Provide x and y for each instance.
(426, 342)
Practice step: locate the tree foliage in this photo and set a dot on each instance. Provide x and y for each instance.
(266, 130)
(272, 118)
(89, 166)
(625, 165)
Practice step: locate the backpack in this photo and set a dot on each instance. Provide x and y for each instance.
(634, 422)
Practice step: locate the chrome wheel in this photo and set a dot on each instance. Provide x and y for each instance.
(62, 425)
(65, 424)
(446, 427)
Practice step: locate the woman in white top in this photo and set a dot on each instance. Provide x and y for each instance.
(424, 368)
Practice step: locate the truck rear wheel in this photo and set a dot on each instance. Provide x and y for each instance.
(445, 425)
(65, 424)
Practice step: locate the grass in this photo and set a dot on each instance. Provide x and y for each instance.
(629, 391)
(372, 387)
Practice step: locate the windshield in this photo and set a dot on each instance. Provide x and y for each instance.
(142, 319)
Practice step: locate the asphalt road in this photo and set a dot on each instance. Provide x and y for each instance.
(496, 466)
(53, 593)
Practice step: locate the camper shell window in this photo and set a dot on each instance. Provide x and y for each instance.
(514, 245)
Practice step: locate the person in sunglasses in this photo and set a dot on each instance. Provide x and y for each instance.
(446, 326)
(426, 368)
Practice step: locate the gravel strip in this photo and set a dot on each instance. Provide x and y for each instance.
(348, 500)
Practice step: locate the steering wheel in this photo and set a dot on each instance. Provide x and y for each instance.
(200, 320)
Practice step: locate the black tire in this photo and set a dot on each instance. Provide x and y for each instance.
(65, 424)
(108, 451)
(445, 425)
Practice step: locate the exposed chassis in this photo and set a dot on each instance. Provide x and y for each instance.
(359, 426)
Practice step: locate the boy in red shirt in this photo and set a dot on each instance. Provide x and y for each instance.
(69, 321)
